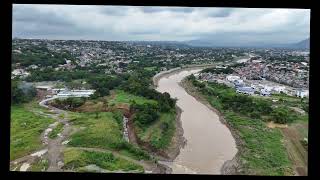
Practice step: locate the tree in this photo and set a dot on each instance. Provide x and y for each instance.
(281, 115)
(21, 93)
(17, 95)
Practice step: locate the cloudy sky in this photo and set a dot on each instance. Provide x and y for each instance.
(160, 23)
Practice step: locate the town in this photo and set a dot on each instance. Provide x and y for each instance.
(264, 77)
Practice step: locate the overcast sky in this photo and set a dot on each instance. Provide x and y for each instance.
(160, 23)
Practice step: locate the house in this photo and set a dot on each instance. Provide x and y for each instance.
(264, 92)
(245, 90)
(238, 83)
(20, 72)
(279, 89)
(302, 93)
(232, 78)
(56, 90)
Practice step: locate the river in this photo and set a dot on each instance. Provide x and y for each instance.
(209, 142)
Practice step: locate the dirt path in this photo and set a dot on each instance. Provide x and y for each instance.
(297, 153)
(53, 148)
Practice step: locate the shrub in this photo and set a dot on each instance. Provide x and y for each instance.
(282, 115)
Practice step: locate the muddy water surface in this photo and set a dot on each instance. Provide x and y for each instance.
(209, 142)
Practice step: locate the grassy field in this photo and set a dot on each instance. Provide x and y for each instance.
(124, 97)
(26, 128)
(151, 68)
(40, 165)
(58, 129)
(264, 151)
(102, 131)
(160, 133)
(77, 159)
(117, 99)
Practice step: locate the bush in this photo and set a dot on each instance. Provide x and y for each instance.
(282, 115)
(21, 93)
(69, 103)
(145, 114)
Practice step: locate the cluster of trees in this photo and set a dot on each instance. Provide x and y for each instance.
(103, 84)
(145, 114)
(139, 84)
(69, 103)
(21, 93)
(50, 74)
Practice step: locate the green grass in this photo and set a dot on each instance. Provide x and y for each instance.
(102, 132)
(150, 68)
(264, 151)
(58, 129)
(34, 105)
(157, 135)
(124, 97)
(26, 128)
(79, 158)
(40, 165)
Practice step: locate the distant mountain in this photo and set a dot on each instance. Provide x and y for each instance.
(234, 43)
(171, 44)
(305, 44)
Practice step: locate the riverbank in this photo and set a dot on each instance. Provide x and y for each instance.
(162, 74)
(230, 167)
(168, 154)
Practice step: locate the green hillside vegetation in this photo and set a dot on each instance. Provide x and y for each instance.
(264, 152)
(121, 96)
(159, 134)
(102, 131)
(77, 159)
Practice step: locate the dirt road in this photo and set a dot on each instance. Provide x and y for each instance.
(53, 148)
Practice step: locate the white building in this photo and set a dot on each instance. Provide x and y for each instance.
(302, 93)
(76, 93)
(245, 90)
(46, 88)
(268, 88)
(264, 92)
(280, 89)
(20, 72)
(56, 90)
(232, 78)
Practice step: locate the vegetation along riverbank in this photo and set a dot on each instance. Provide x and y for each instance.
(262, 150)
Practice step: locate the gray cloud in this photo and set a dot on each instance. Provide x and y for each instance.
(225, 12)
(27, 14)
(113, 10)
(160, 23)
(168, 9)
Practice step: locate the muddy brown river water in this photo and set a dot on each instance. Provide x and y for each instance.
(209, 142)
